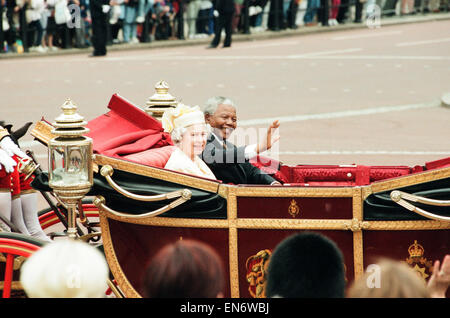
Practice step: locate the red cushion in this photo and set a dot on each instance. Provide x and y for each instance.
(441, 163)
(156, 157)
(327, 175)
(126, 129)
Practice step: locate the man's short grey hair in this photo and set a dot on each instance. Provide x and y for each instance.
(212, 104)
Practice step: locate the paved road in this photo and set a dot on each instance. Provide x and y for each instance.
(367, 96)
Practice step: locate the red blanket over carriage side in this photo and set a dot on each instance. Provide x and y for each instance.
(126, 130)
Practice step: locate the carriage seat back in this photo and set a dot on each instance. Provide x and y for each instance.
(339, 175)
(156, 157)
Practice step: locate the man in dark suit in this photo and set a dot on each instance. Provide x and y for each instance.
(225, 9)
(228, 162)
(99, 10)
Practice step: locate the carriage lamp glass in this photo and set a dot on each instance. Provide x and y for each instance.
(70, 164)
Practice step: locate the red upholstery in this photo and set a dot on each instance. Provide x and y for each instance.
(327, 175)
(441, 163)
(269, 166)
(152, 157)
(126, 129)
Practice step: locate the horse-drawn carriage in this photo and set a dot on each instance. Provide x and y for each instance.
(141, 206)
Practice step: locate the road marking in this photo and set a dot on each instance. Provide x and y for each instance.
(350, 50)
(365, 152)
(365, 35)
(256, 46)
(423, 42)
(381, 57)
(341, 114)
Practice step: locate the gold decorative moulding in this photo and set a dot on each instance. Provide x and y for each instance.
(159, 102)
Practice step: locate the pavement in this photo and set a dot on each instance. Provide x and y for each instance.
(264, 35)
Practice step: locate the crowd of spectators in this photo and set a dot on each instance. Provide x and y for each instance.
(303, 265)
(49, 25)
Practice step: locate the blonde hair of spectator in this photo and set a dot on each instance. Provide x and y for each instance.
(397, 280)
(65, 269)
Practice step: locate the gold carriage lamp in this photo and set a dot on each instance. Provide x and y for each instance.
(160, 101)
(70, 161)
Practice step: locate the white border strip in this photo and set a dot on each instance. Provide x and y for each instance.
(365, 152)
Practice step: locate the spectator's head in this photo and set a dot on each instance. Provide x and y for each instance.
(306, 265)
(187, 128)
(185, 269)
(220, 114)
(65, 269)
(389, 279)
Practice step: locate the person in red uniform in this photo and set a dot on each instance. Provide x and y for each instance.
(18, 200)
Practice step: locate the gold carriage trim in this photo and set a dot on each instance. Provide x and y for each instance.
(256, 266)
(293, 209)
(419, 263)
(42, 131)
(409, 180)
(211, 186)
(116, 269)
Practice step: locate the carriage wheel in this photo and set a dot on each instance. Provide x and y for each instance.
(47, 217)
(14, 248)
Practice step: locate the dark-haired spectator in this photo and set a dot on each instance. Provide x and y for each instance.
(184, 269)
(306, 265)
